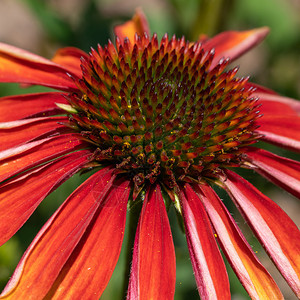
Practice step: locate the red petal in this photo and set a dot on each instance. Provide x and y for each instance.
(20, 196)
(23, 157)
(273, 101)
(208, 265)
(276, 108)
(138, 24)
(282, 171)
(51, 248)
(18, 132)
(283, 131)
(20, 66)
(153, 272)
(89, 268)
(259, 88)
(275, 230)
(30, 105)
(256, 280)
(233, 44)
(69, 58)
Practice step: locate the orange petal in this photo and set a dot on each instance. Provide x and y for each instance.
(272, 226)
(253, 276)
(208, 265)
(89, 268)
(51, 248)
(17, 65)
(69, 58)
(153, 272)
(232, 44)
(138, 24)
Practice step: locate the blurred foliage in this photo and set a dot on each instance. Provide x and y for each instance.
(94, 24)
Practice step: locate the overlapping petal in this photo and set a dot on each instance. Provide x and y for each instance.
(208, 265)
(53, 245)
(254, 277)
(91, 264)
(17, 199)
(18, 65)
(282, 171)
(138, 24)
(26, 156)
(69, 58)
(232, 44)
(283, 131)
(31, 105)
(16, 133)
(153, 271)
(275, 230)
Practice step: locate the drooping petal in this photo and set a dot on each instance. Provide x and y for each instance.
(15, 133)
(275, 230)
(153, 270)
(31, 105)
(53, 245)
(253, 276)
(208, 265)
(89, 268)
(17, 65)
(283, 131)
(20, 196)
(232, 44)
(138, 24)
(26, 156)
(69, 58)
(282, 171)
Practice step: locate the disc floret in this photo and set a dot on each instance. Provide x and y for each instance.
(160, 111)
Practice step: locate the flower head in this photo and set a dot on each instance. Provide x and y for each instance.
(159, 122)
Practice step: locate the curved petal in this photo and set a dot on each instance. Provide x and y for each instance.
(208, 265)
(275, 230)
(282, 171)
(69, 58)
(16, 133)
(18, 202)
(51, 248)
(90, 266)
(138, 24)
(31, 105)
(153, 272)
(259, 88)
(26, 156)
(253, 276)
(17, 65)
(283, 131)
(232, 44)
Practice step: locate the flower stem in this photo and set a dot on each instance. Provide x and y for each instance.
(133, 215)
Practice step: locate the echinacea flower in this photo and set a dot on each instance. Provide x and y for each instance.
(159, 122)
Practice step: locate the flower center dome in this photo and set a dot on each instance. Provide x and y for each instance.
(160, 111)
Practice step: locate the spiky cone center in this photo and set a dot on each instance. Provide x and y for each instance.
(158, 111)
